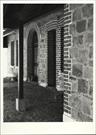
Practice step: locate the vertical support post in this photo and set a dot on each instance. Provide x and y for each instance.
(20, 100)
(20, 76)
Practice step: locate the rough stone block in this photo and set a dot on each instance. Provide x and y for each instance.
(91, 52)
(87, 10)
(88, 72)
(75, 41)
(91, 82)
(91, 90)
(74, 101)
(77, 70)
(81, 108)
(86, 105)
(82, 86)
(77, 14)
(81, 26)
(91, 63)
(74, 53)
(91, 112)
(83, 117)
(89, 38)
(90, 24)
(72, 29)
(83, 56)
(73, 6)
(74, 114)
(78, 41)
(91, 87)
(75, 86)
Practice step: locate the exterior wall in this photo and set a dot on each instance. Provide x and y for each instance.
(42, 26)
(81, 54)
(77, 78)
(5, 62)
(43, 56)
(28, 31)
(67, 85)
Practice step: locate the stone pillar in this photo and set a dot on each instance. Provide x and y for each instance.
(20, 100)
(81, 54)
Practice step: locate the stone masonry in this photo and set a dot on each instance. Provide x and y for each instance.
(81, 54)
(45, 24)
(76, 77)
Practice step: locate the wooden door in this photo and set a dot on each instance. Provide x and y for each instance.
(52, 58)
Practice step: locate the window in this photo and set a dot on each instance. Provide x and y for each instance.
(12, 53)
(62, 49)
(5, 42)
(16, 52)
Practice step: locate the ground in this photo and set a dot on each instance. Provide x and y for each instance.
(41, 104)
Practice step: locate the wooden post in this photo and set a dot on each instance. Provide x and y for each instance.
(20, 77)
(20, 100)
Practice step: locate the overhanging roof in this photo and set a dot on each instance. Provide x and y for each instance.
(13, 14)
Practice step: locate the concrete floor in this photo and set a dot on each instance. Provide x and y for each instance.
(41, 104)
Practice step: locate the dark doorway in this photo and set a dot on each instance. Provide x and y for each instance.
(52, 58)
(32, 57)
(35, 56)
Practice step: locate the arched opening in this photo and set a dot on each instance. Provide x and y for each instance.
(32, 59)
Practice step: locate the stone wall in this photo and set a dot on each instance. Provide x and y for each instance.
(53, 20)
(81, 54)
(76, 79)
(43, 56)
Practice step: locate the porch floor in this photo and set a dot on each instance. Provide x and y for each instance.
(41, 104)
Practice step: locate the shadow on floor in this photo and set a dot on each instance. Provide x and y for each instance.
(42, 104)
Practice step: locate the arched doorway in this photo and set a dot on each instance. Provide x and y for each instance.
(32, 59)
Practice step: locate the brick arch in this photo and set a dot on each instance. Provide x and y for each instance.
(33, 27)
(29, 34)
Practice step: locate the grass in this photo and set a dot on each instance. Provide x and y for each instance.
(41, 106)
